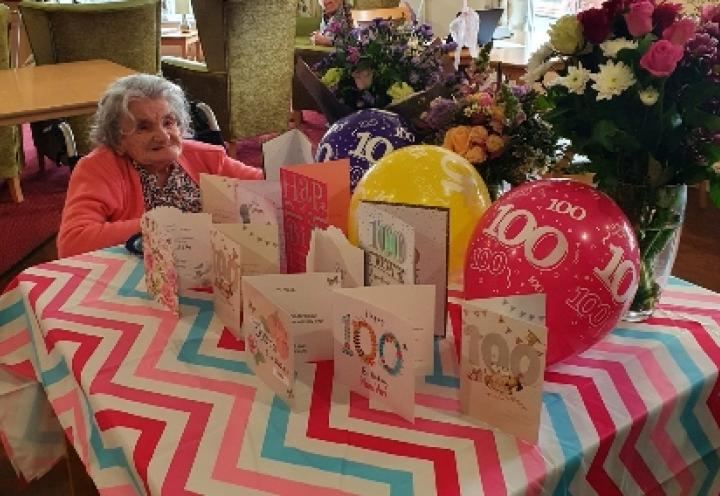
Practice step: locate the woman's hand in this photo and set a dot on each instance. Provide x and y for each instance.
(319, 39)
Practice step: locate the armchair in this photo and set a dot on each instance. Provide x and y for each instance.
(9, 136)
(247, 75)
(125, 32)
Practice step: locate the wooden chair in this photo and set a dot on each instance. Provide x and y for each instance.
(247, 75)
(361, 18)
(10, 163)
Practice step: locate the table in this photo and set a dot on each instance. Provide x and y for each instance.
(157, 405)
(172, 37)
(36, 93)
(52, 91)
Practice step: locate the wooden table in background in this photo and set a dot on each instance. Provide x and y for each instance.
(186, 41)
(37, 93)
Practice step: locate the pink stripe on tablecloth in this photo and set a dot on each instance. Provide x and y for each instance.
(71, 402)
(534, 465)
(438, 402)
(708, 298)
(667, 392)
(15, 342)
(125, 490)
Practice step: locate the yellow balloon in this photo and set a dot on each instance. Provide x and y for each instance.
(432, 176)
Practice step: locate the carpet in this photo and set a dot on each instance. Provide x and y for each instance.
(26, 226)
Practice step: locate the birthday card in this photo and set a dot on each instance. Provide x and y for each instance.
(290, 148)
(177, 239)
(387, 245)
(504, 344)
(330, 251)
(383, 339)
(313, 195)
(300, 303)
(239, 250)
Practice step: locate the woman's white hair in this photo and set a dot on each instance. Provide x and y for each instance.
(113, 106)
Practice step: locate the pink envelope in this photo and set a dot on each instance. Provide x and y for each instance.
(313, 195)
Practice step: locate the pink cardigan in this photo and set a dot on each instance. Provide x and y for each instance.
(105, 200)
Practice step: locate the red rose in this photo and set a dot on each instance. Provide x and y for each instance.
(664, 15)
(596, 25)
(662, 58)
(639, 18)
(680, 32)
(614, 7)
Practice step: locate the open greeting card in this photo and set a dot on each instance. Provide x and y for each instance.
(290, 148)
(383, 341)
(240, 250)
(284, 313)
(176, 251)
(330, 251)
(313, 195)
(407, 244)
(502, 365)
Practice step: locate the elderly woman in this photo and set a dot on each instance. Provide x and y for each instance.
(336, 19)
(140, 162)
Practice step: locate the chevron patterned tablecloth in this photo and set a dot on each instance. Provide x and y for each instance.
(157, 405)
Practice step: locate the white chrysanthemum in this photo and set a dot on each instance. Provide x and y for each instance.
(612, 80)
(649, 96)
(576, 79)
(716, 167)
(539, 64)
(611, 48)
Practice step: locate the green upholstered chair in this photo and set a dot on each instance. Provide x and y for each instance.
(9, 135)
(375, 4)
(247, 75)
(125, 32)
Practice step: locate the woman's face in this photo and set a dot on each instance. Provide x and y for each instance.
(330, 6)
(152, 137)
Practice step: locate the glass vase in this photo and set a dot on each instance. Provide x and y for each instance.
(656, 215)
(497, 188)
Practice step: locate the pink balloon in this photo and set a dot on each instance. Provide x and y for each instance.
(564, 239)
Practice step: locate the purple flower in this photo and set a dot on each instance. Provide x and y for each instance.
(353, 55)
(441, 113)
(414, 78)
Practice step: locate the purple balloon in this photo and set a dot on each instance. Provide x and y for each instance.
(365, 137)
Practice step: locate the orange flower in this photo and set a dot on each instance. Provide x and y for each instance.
(457, 139)
(476, 155)
(495, 143)
(478, 135)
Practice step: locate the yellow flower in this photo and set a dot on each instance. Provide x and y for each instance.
(566, 35)
(400, 91)
(332, 76)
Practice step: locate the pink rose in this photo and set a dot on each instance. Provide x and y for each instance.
(639, 18)
(680, 32)
(710, 13)
(662, 58)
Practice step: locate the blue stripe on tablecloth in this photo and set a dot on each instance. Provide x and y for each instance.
(567, 438)
(12, 312)
(190, 350)
(438, 377)
(399, 481)
(688, 420)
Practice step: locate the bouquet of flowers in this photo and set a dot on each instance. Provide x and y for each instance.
(638, 94)
(497, 126)
(383, 63)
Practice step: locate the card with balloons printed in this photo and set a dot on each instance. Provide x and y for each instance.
(383, 341)
(330, 251)
(240, 250)
(313, 195)
(431, 230)
(502, 363)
